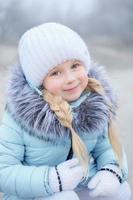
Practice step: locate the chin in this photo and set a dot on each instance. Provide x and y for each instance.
(72, 98)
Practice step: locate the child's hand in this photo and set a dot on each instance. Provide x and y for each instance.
(70, 173)
(104, 184)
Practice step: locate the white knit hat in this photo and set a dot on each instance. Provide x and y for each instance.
(45, 46)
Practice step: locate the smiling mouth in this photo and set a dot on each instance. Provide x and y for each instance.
(72, 88)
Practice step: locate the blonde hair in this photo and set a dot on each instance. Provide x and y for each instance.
(95, 86)
(64, 114)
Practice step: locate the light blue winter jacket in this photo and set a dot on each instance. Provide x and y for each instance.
(30, 144)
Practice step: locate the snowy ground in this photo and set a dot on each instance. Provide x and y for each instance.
(119, 64)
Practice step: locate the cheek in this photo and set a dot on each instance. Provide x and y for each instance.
(84, 79)
(52, 86)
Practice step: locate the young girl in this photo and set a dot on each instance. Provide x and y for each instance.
(58, 137)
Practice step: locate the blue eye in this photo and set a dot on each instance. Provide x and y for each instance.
(55, 73)
(74, 66)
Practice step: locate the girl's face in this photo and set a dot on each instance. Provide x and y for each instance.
(67, 80)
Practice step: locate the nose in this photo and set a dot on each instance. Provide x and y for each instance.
(69, 77)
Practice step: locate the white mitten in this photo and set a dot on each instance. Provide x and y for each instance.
(70, 172)
(105, 183)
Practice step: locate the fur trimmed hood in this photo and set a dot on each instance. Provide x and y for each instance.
(35, 116)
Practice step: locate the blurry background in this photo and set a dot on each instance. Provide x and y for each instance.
(107, 28)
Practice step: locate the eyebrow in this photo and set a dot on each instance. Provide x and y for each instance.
(52, 70)
(55, 68)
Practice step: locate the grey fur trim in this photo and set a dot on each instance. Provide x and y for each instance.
(34, 114)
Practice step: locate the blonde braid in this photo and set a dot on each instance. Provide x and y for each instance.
(95, 86)
(64, 114)
(115, 141)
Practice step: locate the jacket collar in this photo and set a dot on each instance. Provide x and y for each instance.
(91, 112)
